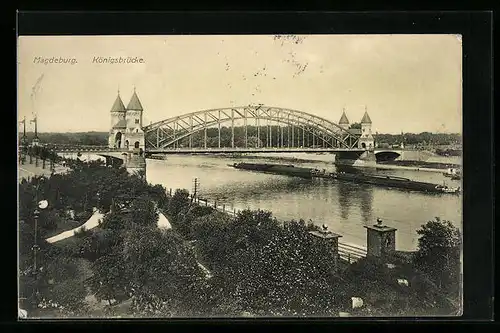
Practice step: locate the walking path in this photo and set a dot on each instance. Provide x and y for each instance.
(91, 223)
(163, 222)
(29, 170)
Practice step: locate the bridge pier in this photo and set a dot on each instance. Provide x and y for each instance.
(134, 162)
(356, 158)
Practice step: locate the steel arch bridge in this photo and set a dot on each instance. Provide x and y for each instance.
(292, 124)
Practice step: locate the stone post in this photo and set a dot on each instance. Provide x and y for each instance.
(380, 240)
(331, 239)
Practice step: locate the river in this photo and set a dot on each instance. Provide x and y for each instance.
(344, 207)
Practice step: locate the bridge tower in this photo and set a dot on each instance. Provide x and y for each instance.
(366, 141)
(118, 124)
(134, 137)
(344, 122)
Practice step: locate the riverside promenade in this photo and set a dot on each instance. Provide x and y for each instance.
(28, 170)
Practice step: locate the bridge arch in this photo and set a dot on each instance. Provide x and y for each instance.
(168, 132)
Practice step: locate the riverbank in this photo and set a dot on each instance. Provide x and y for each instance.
(227, 258)
(409, 168)
(422, 164)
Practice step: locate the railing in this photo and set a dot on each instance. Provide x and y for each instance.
(351, 252)
(249, 149)
(215, 205)
(348, 252)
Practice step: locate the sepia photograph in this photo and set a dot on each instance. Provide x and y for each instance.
(239, 176)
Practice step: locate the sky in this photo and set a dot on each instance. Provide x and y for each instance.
(407, 83)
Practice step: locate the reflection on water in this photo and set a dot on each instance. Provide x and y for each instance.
(344, 196)
(345, 207)
(366, 200)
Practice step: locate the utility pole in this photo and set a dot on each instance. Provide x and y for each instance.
(24, 139)
(196, 186)
(35, 138)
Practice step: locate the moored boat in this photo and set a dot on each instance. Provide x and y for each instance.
(381, 180)
(281, 169)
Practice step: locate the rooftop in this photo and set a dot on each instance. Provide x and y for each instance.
(122, 123)
(355, 131)
(118, 105)
(134, 103)
(366, 119)
(343, 120)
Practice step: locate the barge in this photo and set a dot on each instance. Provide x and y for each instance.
(280, 169)
(381, 180)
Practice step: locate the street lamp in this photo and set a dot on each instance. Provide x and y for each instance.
(43, 204)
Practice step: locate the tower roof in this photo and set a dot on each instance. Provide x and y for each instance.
(366, 119)
(122, 123)
(343, 120)
(118, 105)
(134, 103)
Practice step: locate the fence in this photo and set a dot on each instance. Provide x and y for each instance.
(351, 252)
(347, 251)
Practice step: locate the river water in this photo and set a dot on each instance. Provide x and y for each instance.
(344, 207)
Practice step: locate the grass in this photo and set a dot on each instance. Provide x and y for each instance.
(62, 227)
(68, 224)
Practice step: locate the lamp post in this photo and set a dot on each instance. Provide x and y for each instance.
(36, 214)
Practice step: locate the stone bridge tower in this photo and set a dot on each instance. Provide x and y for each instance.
(344, 122)
(126, 133)
(134, 135)
(118, 124)
(126, 125)
(366, 141)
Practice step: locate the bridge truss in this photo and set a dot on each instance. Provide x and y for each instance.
(291, 128)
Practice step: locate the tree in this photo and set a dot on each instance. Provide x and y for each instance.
(178, 203)
(109, 280)
(143, 211)
(438, 255)
(60, 282)
(212, 238)
(164, 275)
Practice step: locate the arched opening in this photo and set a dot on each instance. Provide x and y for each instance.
(118, 140)
(126, 144)
(136, 144)
(363, 145)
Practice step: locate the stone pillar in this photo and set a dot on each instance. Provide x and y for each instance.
(356, 159)
(381, 240)
(135, 163)
(331, 239)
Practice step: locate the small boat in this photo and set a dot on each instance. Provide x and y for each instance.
(451, 172)
(446, 189)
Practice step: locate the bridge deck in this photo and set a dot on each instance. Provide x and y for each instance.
(208, 150)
